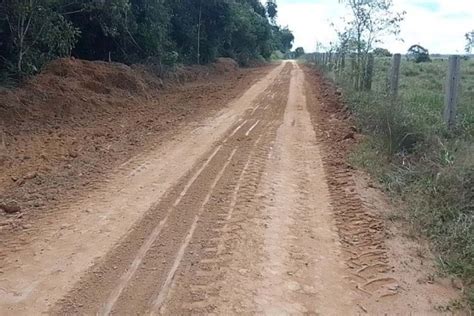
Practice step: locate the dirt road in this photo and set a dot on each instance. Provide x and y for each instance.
(235, 216)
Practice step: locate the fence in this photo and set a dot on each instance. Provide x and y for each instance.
(362, 78)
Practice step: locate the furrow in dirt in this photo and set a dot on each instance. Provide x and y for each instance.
(189, 202)
(197, 287)
(78, 236)
(361, 232)
(383, 265)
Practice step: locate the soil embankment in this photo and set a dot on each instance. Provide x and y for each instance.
(61, 132)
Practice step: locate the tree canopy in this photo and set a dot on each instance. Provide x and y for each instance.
(382, 52)
(164, 31)
(418, 54)
(299, 51)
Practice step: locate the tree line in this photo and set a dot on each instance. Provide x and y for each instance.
(165, 32)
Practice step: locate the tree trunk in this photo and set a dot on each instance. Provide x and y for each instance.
(199, 35)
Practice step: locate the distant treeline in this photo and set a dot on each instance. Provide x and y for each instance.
(33, 32)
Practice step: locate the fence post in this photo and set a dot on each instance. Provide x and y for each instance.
(369, 72)
(452, 90)
(395, 75)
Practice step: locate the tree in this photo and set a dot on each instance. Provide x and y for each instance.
(272, 10)
(37, 34)
(369, 21)
(382, 52)
(33, 32)
(469, 41)
(283, 38)
(418, 54)
(299, 52)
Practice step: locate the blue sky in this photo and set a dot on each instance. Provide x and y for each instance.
(438, 25)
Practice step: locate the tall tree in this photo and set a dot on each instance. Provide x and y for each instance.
(370, 20)
(164, 31)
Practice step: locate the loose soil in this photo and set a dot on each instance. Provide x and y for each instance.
(252, 209)
(64, 131)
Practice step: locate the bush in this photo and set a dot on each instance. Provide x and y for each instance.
(277, 55)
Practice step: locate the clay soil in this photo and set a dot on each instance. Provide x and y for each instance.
(229, 194)
(64, 130)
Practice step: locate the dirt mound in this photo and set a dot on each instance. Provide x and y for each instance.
(225, 65)
(79, 119)
(70, 85)
(100, 77)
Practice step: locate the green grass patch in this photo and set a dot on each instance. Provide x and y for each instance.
(426, 168)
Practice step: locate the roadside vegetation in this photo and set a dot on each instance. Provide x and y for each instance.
(427, 168)
(163, 33)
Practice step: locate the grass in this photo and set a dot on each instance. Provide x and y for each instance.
(422, 164)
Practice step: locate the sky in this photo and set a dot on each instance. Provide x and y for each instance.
(438, 25)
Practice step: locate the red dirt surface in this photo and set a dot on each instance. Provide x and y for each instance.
(254, 210)
(65, 128)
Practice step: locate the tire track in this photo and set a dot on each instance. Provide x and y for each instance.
(198, 289)
(158, 301)
(127, 276)
(361, 232)
(159, 237)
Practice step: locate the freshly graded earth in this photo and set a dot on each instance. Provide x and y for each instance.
(245, 206)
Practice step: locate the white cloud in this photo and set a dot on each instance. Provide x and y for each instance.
(439, 25)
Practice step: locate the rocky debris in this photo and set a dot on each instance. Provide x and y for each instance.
(10, 207)
(30, 175)
(73, 153)
(349, 135)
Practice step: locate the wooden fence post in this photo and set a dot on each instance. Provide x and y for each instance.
(452, 90)
(369, 72)
(395, 75)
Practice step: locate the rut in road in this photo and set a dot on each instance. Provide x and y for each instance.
(253, 228)
(203, 197)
